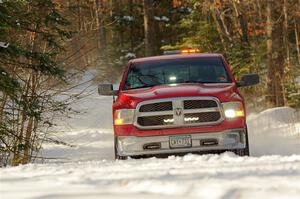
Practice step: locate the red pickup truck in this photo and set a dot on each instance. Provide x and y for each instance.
(178, 104)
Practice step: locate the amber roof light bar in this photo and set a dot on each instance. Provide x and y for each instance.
(183, 51)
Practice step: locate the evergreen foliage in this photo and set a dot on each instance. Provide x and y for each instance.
(33, 30)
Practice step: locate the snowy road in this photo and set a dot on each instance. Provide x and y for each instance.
(223, 176)
(89, 171)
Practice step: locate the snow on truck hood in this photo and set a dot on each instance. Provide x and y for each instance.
(222, 91)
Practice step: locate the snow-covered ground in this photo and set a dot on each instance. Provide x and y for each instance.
(89, 171)
(223, 176)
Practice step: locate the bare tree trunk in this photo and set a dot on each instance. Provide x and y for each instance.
(27, 141)
(269, 28)
(237, 25)
(149, 28)
(2, 106)
(102, 43)
(131, 27)
(243, 23)
(297, 41)
(219, 29)
(285, 33)
(257, 4)
(79, 15)
(275, 46)
(114, 10)
(37, 46)
(20, 127)
(224, 26)
(32, 98)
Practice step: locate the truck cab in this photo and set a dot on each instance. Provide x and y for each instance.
(178, 104)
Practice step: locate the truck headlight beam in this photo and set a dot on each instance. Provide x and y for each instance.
(233, 109)
(124, 116)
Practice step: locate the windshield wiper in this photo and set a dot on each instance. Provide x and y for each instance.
(194, 81)
(203, 82)
(143, 86)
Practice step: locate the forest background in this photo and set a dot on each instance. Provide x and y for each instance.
(45, 45)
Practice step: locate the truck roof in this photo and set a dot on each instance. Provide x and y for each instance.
(176, 56)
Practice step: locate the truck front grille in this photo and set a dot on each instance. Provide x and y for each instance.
(196, 104)
(155, 120)
(162, 106)
(192, 118)
(178, 112)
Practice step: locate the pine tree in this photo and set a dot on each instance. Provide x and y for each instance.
(29, 64)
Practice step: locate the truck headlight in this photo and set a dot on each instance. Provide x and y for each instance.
(233, 109)
(124, 116)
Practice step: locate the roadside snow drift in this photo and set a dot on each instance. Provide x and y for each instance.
(88, 169)
(275, 131)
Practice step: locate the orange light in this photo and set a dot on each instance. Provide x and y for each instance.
(119, 121)
(192, 50)
(239, 113)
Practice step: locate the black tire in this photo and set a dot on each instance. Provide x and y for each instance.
(245, 151)
(117, 156)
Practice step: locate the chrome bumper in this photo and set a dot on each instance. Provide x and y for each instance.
(227, 140)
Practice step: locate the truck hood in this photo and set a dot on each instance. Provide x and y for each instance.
(222, 91)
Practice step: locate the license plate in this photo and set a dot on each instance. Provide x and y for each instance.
(180, 141)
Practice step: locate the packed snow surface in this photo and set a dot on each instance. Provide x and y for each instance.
(88, 170)
(192, 176)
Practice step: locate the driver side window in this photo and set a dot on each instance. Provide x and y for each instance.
(132, 80)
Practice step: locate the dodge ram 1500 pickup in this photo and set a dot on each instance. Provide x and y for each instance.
(178, 104)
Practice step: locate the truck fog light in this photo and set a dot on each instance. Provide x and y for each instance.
(124, 116)
(191, 119)
(233, 109)
(233, 138)
(126, 141)
(168, 121)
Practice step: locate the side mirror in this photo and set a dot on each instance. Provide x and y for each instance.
(248, 80)
(105, 89)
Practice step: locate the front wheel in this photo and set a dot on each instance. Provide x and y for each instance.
(117, 156)
(243, 152)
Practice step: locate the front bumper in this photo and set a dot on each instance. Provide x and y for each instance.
(226, 140)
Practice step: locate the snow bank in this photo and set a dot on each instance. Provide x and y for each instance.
(274, 131)
(88, 144)
(281, 117)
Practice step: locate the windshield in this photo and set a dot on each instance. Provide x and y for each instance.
(196, 70)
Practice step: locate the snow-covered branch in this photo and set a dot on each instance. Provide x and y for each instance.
(4, 44)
